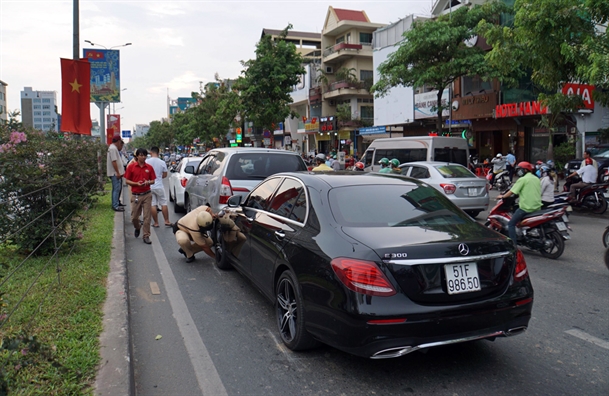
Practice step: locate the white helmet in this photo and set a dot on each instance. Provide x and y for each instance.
(499, 155)
(204, 219)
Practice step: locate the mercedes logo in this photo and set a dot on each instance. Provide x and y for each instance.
(463, 249)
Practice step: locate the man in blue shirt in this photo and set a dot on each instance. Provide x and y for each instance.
(511, 162)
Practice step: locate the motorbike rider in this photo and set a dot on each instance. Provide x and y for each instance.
(528, 188)
(588, 174)
(499, 165)
(547, 186)
(587, 155)
(359, 166)
(553, 174)
(395, 166)
(320, 159)
(385, 168)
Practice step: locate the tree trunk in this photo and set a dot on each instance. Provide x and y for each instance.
(439, 113)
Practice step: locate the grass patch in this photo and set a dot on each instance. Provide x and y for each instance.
(50, 345)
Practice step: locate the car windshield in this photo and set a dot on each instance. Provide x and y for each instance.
(604, 154)
(454, 171)
(393, 206)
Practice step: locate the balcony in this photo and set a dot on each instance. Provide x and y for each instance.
(341, 51)
(351, 88)
(315, 95)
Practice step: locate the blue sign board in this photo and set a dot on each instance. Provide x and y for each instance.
(372, 130)
(126, 134)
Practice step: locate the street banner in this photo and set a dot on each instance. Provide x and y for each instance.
(113, 123)
(105, 75)
(75, 88)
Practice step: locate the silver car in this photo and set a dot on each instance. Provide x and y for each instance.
(228, 171)
(458, 183)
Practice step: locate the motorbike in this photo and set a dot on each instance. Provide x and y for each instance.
(591, 197)
(501, 181)
(544, 230)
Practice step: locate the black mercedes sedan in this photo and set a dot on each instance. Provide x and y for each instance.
(375, 265)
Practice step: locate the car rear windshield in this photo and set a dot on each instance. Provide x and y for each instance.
(450, 154)
(258, 166)
(454, 171)
(393, 206)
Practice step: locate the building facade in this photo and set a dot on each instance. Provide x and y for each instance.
(3, 103)
(39, 109)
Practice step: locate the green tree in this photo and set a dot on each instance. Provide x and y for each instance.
(268, 80)
(434, 54)
(556, 41)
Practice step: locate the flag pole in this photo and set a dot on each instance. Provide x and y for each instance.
(76, 33)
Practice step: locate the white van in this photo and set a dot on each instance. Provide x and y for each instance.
(416, 148)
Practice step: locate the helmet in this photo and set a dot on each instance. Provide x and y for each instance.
(321, 156)
(204, 219)
(525, 165)
(395, 162)
(550, 163)
(359, 165)
(499, 155)
(589, 161)
(384, 161)
(544, 168)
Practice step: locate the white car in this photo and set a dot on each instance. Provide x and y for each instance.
(178, 179)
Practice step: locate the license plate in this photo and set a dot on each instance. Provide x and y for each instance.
(472, 192)
(462, 278)
(561, 226)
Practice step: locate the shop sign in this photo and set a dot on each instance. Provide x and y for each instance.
(312, 126)
(580, 89)
(426, 104)
(520, 109)
(372, 130)
(327, 124)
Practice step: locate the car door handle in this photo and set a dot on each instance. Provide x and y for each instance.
(280, 234)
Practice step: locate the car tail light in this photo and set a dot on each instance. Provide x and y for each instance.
(225, 190)
(362, 277)
(387, 321)
(448, 188)
(521, 272)
(183, 182)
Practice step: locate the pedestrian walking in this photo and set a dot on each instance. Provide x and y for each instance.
(140, 176)
(157, 189)
(510, 164)
(191, 233)
(115, 171)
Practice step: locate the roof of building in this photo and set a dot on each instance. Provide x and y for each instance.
(3, 83)
(351, 15)
(291, 33)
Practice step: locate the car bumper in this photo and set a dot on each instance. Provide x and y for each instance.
(475, 203)
(356, 336)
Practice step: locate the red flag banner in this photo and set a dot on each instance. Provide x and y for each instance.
(75, 95)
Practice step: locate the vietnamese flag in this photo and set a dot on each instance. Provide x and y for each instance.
(75, 96)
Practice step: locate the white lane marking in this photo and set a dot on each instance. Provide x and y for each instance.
(587, 337)
(205, 371)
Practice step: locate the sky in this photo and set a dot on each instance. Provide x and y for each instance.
(177, 46)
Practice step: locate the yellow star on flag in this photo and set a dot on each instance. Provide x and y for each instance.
(75, 86)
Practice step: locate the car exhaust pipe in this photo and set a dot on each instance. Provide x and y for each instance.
(404, 350)
(516, 331)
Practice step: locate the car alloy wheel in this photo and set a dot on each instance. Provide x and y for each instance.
(290, 315)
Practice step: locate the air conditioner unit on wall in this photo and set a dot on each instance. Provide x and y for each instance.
(329, 70)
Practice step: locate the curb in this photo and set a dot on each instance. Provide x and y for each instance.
(114, 372)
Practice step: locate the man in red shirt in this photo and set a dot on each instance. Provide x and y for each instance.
(140, 176)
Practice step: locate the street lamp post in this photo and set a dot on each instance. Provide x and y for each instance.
(102, 105)
(114, 103)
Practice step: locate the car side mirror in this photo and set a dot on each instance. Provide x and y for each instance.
(234, 201)
(189, 169)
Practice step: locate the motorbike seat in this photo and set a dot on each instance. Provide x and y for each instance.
(538, 213)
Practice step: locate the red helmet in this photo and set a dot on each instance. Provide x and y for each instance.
(589, 161)
(359, 165)
(525, 165)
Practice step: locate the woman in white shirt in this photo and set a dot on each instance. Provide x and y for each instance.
(547, 187)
